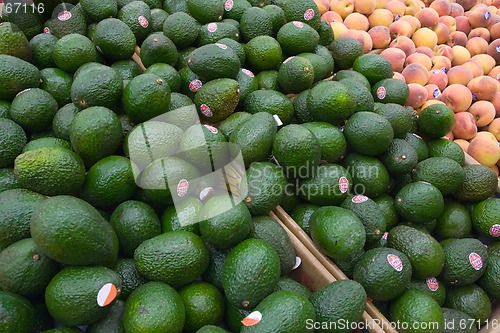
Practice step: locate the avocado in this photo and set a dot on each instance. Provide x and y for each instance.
(214, 61)
(217, 99)
(16, 75)
(266, 187)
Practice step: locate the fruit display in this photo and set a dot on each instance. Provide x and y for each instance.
(143, 145)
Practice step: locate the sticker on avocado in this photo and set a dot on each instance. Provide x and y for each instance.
(195, 85)
(395, 262)
(252, 319)
(64, 15)
(182, 187)
(381, 92)
(98, 48)
(343, 184)
(309, 14)
(143, 21)
(298, 24)
(206, 111)
(385, 235)
(228, 5)
(436, 93)
(25, 90)
(206, 192)
(247, 72)
(46, 30)
(212, 129)
(298, 261)
(432, 284)
(278, 120)
(288, 59)
(476, 261)
(222, 46)
(495, 230)
(106, 295)
(359, 198)
(212, 27)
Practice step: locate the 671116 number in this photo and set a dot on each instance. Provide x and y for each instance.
(20, 8)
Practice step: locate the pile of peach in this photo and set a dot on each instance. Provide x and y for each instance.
(447, 51)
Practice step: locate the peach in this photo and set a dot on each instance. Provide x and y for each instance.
(495, 73)
(449, 21)
(439, 78)
(465, 127)
(476, 45)
(486, 61)
(352, 33)
(495, 31)
(396, 7)
(381, 16)
(496, 102)
(442, 32)
(494, 128)
(441, 62)
(400, 28)
(457, 97)
(414, 22)
(342, 7)
(444, 50)
(493, 10)
(463, 25)
(459, 75)
(417, 95)
(484, 151)
(433, 92)
(413, 6)
(399, 76)
(420, 58)
(430, 102)
(467, 4)
(365, 7)
(480, 32)
(416, 73)
(495, 169)
(425, 37)
(457, 38)
(381, 4)
(483, 87)
(428, 17)
(425, 50)
(404, 43)
(367, 41)
(483, 112)
(475, 68)
(464, 144)
(456, 10)
(338, 28)
(460, 55)
(396, 57)
(381, 37)
(323, 6)
(331, 16)
(442, 7)
(479, 17)
(450, 136)
(494, 50)
(357, 21)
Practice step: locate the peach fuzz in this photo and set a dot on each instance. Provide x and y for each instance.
(494, 128)
(331, 16)
(495, 31)
(449, 21)
(486, 61)
(381, 37)
(416, 73)
(440, 62)
(338, 28)
(483, 87)
(404, 43)
(495, 73)
(442, 32)
(459, 75)
(425, 37)
(367, 41)
(381, 16)
(442, 7)
(323, 6)
(428, 17)
(463, 25)
(480, 32)
(425, 50)
(457, 97)
(420, 58)
(357, 21)
(460, 55)
(413, 6)
(484, 151)
(476, 45)
(396, 57)
(400, 28)
(342, 7)
(414, 22)
(444, 50)
(456, 10)
(464, 144)
(475, 68)
(465, 127)
(439, 78)
(483, 112)
(365, 7)
(417, 96)
(396, 7)
(381, 4)
(433, 92)
(457, 38)
(494, 50)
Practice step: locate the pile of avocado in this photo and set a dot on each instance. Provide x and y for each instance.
(94, 238)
